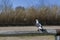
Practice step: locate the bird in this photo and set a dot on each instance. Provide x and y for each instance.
(39, 26)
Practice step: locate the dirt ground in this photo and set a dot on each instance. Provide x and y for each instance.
(48, 37)
(27, 28)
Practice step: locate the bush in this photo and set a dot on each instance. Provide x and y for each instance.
(46, 16)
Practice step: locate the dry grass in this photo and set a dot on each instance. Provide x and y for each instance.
(45, 37)
(46, 15)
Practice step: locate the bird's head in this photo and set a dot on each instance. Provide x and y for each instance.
(37, 21)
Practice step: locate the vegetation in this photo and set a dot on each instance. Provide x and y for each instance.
(21, 16)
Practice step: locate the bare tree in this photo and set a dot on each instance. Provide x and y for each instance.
(6, 5)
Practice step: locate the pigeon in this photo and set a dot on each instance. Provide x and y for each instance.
(39, 26)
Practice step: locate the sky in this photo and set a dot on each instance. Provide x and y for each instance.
(36, 3)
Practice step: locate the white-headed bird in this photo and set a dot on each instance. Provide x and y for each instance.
(39, 26)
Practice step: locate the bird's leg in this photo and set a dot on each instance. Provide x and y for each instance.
(38, 30)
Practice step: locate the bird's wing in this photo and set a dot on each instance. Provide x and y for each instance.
(40, 25)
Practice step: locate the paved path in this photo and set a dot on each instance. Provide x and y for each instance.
(27, 28)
